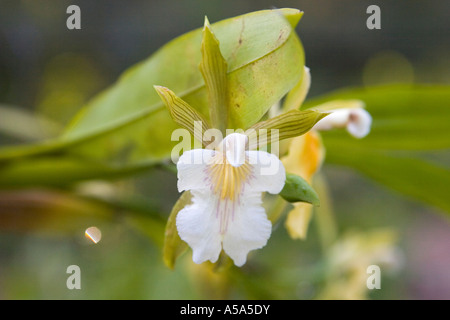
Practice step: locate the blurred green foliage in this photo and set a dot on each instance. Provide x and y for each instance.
(44, 209)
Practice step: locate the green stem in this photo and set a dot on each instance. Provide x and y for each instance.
(326, 223)
(277, 209)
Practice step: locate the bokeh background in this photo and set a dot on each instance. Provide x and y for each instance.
(50, 72)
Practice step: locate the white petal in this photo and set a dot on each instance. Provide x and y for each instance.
(268, 173)
(337, 119)
(198, 225)
(237, 223)
(359, 123)
(191, 168)
(249, 229)
(234, 148)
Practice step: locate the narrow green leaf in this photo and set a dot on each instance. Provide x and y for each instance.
(296, 189)
(182, 113)
(50, 212)
(406, 173)
(62, 171)
(287, 125)
(327, 228)
(173, 245)
(214, 70)
(32, 128)
(340, 104)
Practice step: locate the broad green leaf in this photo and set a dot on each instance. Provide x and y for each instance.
(296, 189)
(127, 124)
(265, 60)
(254, 90)
(288, 125)
(410, 124)
(173, 245)
(214, 70)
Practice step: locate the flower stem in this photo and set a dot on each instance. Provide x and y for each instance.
(326, 224)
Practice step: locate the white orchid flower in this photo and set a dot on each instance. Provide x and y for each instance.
(357, 121)
(349, 114)
(226, 185)
(226, 210)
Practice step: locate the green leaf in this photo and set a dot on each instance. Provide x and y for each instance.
(61, 171)
(410, 124)
(214, 70)
(265, 60)
(288, 125)
(50, 212)
(127, 124)
(406, 173)
(340, 104)
(173, 245)
(32, 127)
(296, 189)
(254, 90)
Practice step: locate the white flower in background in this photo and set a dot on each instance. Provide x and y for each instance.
(357, 121)
(226, 210)
(306, 153)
